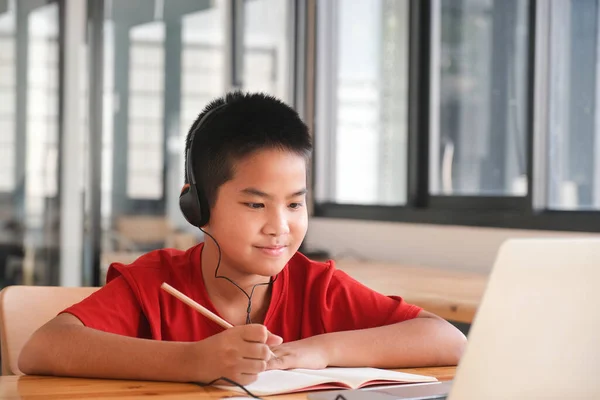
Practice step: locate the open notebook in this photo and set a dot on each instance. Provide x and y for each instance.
(301, 380)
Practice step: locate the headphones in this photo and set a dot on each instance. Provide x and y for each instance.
(192, 200)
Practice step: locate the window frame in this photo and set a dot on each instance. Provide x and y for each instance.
(526, 212)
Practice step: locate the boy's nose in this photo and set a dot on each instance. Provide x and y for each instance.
(277, 225)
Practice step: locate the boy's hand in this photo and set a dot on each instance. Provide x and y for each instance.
(309, 353)
(238, 353)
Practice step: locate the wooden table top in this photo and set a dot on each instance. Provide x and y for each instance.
(46, 387)
(453, 295)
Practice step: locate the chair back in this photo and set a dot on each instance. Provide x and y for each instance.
(24, 309)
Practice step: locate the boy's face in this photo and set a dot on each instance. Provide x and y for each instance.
(259, 217)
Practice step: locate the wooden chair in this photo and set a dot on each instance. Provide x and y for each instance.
(23, 309)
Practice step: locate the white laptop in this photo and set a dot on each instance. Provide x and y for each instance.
(536, 334)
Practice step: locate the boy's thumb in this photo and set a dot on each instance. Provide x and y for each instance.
(274, 340)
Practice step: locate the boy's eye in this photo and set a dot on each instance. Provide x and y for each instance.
(255, 205)
(295, 206)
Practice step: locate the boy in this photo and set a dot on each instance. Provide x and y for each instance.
(248, 159)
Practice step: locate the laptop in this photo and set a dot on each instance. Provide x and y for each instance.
(536, 334)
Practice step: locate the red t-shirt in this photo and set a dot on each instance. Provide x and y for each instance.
(308, 298)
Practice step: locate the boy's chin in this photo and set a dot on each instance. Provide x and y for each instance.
(269, 267)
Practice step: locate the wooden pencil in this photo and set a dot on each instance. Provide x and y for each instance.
(198, 307)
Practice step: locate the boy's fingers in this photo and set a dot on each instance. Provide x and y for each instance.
(248, 366)
(256, 351)
(255, 333)
(259, 334)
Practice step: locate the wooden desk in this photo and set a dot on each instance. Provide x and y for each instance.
(452, 295)
(45, 387)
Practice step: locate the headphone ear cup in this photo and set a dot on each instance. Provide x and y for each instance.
(190, 207)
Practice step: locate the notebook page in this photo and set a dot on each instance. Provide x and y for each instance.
(278, 381)
(355, 377)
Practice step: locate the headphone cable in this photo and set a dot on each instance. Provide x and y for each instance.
(249, 296)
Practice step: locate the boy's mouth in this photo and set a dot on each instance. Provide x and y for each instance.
(272, 250)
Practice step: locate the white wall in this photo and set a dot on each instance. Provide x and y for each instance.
(442, 246)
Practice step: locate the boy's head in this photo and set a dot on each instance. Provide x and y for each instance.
(249, 158)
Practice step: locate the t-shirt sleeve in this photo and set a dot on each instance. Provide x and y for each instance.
(113, 308)
(349, 305)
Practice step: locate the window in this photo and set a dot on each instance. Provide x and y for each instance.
(203, 78)
(267, 64)
(42, 109)
(573, 126)
(173, 58)
(203, 62)
(362, 102)
(478, 115)
(495, 112)
(29, 140)
(7, 104)
(145, 130)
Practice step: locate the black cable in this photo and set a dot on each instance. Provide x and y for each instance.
(249, 393)
(248, 320)
(249, 308)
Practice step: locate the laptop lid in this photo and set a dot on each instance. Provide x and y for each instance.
(536, 334)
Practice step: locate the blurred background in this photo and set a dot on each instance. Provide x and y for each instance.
(441, 127)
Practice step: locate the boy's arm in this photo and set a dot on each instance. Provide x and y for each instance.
(427, 340)
(65, 347)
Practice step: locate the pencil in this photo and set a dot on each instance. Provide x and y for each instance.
(202, 310)
(198, 307)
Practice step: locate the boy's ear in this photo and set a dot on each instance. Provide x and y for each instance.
(190, 206)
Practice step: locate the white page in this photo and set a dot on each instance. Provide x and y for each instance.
(279, 381)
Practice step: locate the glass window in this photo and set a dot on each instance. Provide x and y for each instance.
(29, 142)
(362, 91)
(574, 105)
(7, 102)
(203, 78)
(267, 64)
(42, 105)
(479, 85)
(203, 63)
(146, 96)
(163, 63)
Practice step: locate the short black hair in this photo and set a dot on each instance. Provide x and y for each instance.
(243, 124)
